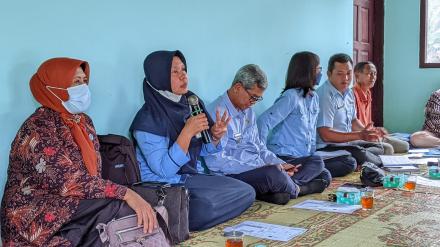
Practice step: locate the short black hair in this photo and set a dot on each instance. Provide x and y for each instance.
(361, 65)
(301, 72)
(340, 58)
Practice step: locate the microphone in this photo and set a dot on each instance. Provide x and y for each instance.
(196, 110)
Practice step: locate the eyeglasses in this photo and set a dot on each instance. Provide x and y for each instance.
(253, 98)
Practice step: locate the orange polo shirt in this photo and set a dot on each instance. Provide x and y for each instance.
(363, 104)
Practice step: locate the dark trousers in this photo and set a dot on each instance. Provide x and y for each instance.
(81, 229)
(312, 167)
(341, 165)
(268, 179)
(362, 151)
(216, 199)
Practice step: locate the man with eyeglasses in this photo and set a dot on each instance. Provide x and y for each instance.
(244, 155)
(365, 78)
(338, 126)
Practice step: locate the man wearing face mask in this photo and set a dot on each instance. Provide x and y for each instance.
(54, 194)
(246, 157)
(289, 125)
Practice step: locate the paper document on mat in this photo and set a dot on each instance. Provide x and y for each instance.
(414, 155)
(418, 150)
(395, 160)
(327, 206)
(428, 182)
(267, 231)
(398, 169)
(435, 153)
(423, 161)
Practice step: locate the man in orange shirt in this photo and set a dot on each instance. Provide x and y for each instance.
(365, 77)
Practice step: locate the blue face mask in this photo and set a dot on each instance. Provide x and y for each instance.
(318, 79)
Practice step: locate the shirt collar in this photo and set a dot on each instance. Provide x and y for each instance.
(231, 108)
(334, 91)
(364, 96)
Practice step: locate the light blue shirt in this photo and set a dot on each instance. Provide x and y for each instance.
(159, 162)
(338, 110)
(290, 124)
(242, 148)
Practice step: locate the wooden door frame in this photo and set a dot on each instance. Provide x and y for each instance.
(378, 54)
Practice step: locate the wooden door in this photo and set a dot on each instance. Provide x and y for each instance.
(368, 28)
(363, 11)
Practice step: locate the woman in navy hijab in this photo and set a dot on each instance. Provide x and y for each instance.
(168, 147)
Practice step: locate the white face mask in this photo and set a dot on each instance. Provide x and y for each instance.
(79, 98)
(167, 94)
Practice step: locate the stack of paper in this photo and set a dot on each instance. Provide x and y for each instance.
(393, 163)
(395, 160)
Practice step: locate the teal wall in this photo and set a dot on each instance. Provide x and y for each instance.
(406, 86)
(217, 37)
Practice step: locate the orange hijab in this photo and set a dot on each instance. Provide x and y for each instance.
(59, 72)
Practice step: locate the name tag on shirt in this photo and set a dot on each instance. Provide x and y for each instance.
(237, 137)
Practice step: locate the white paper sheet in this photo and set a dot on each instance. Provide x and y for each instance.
(395, 160)
(414, 155)
(428, 182)
(418, 150)
(402, 169)
(423, 161)
(267, 231)
(327, 206)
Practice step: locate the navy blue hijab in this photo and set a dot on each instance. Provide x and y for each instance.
(160, 115)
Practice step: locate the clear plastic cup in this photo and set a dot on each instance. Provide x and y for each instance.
(234, 239)
(410, 184)
(367, 198)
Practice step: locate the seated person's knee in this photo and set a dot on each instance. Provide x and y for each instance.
(350, 163)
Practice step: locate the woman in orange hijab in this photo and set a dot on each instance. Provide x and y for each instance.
(54, 195)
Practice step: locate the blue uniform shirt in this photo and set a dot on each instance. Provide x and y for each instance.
(242, 148)
(159, 162)
(292, 123)
(338, 110)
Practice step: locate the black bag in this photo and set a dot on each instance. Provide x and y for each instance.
(372, 175)
(119, 162)
(175, 198)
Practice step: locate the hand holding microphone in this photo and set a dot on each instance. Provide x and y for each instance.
(198, 123)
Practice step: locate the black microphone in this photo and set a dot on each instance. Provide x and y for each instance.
(196, 110)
